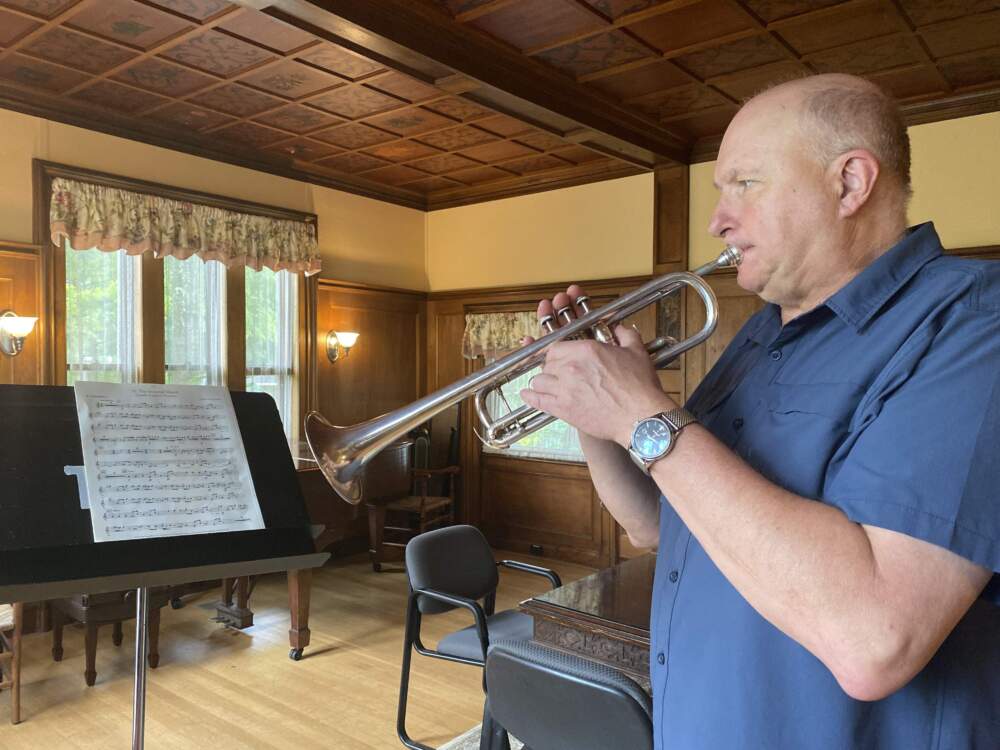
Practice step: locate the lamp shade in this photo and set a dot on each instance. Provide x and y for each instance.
(347, 339)
(17, 326)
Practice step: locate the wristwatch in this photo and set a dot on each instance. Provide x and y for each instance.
(654, 437)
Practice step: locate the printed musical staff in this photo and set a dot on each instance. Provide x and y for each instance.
(164, 461)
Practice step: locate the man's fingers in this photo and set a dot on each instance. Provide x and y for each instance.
(543, 383)
(629, 337)
(544, 309)
(538, 400)
(564, 308)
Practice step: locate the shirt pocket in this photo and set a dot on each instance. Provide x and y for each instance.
(806, 423)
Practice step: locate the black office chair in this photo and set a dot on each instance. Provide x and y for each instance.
(454, 567)
(555, 701)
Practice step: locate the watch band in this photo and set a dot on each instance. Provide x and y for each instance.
(678, 418)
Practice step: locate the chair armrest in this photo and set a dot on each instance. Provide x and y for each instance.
(534, 570)
(470, 604)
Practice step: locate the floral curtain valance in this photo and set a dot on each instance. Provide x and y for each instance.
(492, 335)
(111, 219)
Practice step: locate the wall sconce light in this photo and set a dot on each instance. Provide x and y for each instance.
(339, 343)
(13, 329)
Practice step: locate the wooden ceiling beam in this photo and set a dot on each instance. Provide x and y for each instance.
(420, 35)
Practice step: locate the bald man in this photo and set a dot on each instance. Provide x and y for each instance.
(826, 507)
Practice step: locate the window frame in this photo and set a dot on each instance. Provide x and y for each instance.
(150, 299)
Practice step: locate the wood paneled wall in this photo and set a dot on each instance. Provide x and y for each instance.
(385, 368)
(21, 291)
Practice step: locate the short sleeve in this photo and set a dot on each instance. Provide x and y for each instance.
(922, 455)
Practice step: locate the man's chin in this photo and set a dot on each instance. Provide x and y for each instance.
(748, 280)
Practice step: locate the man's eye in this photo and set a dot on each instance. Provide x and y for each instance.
(744, 184)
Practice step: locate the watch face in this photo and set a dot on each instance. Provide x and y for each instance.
(651, 438)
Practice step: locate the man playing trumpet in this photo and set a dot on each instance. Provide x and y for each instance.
(825, 509)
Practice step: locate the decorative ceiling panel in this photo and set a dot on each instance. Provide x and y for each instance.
(13, 27)
(458, 109)
(690, 25)
(969, 34)
(260, 29)
(916, 82)
(401, 151)
(118, 98)
(432, 184)
(218, 53)
(163, 78)
(775, 10)
(410, 121)
(750, 52)
(304, 149)
(352, 162)
(236, 99)
(250, 134)
(354, 102)
(497, 151)
(297, 119)
(503, 125)
(188, 115)
(617, 8)
(537, 163)
(479, 175)
(596, 53)
(404, 87)
(292, 79)
(32, 73)
(869, 56)
(456, 138)
(840, 26)
(535, 23)
(444, 163)
(925, 12)
(396, 175)
(654, 76)
(199, 10)
(40, 8)
(974, 69)
(72, 49)
(540, 140)
(340, 61)
(129, 22)
(353, 136)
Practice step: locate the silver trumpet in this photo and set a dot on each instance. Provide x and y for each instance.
(343, 452)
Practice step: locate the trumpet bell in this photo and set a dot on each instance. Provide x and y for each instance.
(331, 447)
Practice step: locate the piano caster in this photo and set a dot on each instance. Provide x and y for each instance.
(295, 654)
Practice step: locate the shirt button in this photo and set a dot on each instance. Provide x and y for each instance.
(738, 423)
(673, 576)
(660, 658)
(776, 354)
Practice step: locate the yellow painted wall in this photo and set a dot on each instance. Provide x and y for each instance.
(595, 231)
(955, 164)
(361, 239)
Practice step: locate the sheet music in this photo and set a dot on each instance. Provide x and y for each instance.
(164, 460)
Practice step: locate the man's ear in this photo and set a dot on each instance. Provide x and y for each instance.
(857, 172)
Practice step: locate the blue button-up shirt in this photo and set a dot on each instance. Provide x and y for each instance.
(885, 403)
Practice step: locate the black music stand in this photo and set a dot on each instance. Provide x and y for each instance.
(47, 548)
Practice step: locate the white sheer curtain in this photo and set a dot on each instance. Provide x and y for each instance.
(194, 300)
(271, 312)
(101, 322)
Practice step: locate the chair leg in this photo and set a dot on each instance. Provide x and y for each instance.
(116, 633)
(492, 736)
(90, 647)
(153, 625)
(57, 634)
(376, 532)
(410, 634)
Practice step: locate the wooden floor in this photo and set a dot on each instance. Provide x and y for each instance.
(217, 687)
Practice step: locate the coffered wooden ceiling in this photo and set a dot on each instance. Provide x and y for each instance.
(432, 103)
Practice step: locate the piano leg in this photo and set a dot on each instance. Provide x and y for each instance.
(299, 588)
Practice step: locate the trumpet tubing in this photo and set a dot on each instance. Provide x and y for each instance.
(343, 452)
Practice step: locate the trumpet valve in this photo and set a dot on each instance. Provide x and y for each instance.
(547, 324)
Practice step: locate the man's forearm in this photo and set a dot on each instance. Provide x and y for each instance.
(628, 494)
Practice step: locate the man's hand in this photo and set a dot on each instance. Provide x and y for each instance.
(600, 389)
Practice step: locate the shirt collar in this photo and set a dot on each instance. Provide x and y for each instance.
(862, 297)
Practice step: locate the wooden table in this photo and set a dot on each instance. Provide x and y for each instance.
(604, 617)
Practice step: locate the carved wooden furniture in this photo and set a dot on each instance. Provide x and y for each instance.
(448, 568)
(11, 624)
(604, 616)
(95, 610)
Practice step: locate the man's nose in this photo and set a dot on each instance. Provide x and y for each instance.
(722, 220)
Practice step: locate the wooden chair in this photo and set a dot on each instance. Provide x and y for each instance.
(408, 497)
(94, 610)
(11, 625)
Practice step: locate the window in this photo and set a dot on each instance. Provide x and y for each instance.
(101, 319)
(271, 310)
(194, 302)
(556, 441)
